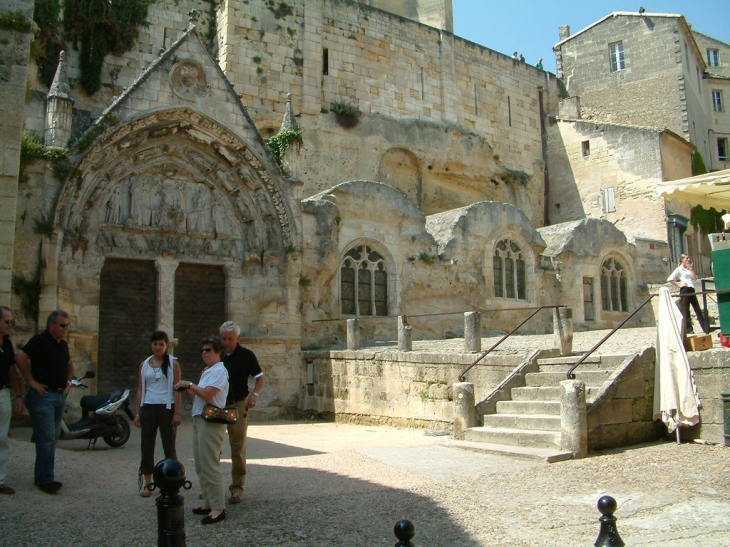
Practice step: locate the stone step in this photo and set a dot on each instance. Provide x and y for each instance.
(551, 408)
(546, 394)
(589, 377)
(608, 361)
(513, 437)
(549, 455)
(531, 422)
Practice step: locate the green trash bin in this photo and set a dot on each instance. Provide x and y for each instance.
(721, 271)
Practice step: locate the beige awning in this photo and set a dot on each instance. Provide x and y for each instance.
(709, 190)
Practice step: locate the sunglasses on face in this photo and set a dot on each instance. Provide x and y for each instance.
(206, 350)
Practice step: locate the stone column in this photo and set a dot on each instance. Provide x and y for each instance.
(573, 418)
(14, 48)
(353, 334)
(405, 334)
(166, 269)
(563, 330)
(465, 415)
(472, 332)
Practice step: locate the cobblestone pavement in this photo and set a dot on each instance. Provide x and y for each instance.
(328, 484)
(315, 484)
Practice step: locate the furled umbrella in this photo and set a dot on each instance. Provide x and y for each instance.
(676, 401)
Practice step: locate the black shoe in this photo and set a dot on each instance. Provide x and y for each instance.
(213, 520)
(5, 489)
(49, 487)
(201, 510)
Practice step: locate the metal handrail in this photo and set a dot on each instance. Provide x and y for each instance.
(484, 353)
(570, 374)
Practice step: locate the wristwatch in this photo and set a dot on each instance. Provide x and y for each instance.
(255, 394)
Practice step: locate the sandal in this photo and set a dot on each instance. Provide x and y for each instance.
(145, 492)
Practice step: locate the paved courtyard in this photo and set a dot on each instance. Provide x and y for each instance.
(325, 484)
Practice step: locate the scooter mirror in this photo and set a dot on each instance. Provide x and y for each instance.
(89, 374)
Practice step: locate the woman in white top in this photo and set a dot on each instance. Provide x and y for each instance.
(684, 277)
(208, 436)
(158, 406)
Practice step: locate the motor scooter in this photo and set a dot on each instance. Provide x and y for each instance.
(99, 417)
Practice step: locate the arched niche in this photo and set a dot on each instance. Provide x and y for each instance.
(172, 182)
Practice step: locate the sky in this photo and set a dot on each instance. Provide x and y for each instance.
(531, 26)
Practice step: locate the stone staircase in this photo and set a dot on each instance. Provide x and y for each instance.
(528, 424)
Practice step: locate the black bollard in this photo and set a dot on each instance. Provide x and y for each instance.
(404, 530)
(169, 477)
(608, 536)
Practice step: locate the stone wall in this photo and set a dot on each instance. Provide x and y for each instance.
(589, 158)
(404, 388)
(711, 370)
(411, 81)
(14, 50)
(623, 413)
(661, 85)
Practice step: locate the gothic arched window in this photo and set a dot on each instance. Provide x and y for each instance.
(614, 286)
(509, 271)
(363, 282)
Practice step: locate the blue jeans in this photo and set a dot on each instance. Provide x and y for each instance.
(46, 413)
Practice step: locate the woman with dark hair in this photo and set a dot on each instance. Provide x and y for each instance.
(685, 278)
(208, 436)
(158, 406)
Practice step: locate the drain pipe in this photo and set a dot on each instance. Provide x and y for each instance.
(545, 177)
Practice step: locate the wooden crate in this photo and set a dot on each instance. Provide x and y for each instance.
(697, 342)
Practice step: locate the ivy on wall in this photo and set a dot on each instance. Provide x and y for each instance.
(48, 42)
(698, 164)
(95, 27)
(31, 148)
(707, 220)
(99, 28)
(279, 143)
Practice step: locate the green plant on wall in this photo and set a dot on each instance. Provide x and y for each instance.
(31, 148)
(348, 115)
(280, 143)
(707, 220)
(98, 28)
(698, 164)
(29, 291)
(279, 9)
(48, 41)
(14, 20)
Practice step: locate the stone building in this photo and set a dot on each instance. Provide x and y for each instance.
(637, 82)
(432, 198)
(717, 75)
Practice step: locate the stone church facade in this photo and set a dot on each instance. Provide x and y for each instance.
(176, 216)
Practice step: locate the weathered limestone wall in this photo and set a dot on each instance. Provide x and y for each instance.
(14, 50)
(410, 81)
(662, 68)
(434, 13)
(588, 157)
(624, 413)
(711, 369)
(717, 81)
(406, 388)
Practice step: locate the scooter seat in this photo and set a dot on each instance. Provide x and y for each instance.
(92, 402)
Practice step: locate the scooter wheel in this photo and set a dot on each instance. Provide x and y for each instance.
(120, 435)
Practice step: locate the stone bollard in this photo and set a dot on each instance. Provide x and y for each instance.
(405, 334)
(353, 334)
(563, 330)
(465, 415)
(608, 535)
(472, 332)
(404, 530)
(169, 477)
(573, 418)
